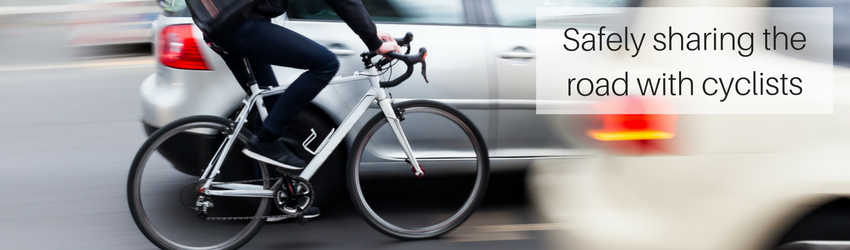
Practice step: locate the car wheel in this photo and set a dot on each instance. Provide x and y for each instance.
(829, 222)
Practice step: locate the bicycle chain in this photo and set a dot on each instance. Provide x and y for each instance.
(223, 218)
(282, 216)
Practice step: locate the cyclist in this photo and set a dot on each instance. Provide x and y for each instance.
(264, 44)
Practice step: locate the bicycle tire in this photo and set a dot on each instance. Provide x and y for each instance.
(137, 169)
(481, 178)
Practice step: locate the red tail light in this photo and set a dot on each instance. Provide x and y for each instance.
(179, 49)
(635, 127)
(634, 132)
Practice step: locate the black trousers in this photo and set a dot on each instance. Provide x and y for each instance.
(265, 44)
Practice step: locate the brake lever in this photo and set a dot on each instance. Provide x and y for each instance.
(423, 71)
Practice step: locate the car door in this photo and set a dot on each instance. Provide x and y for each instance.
(457, 63)
(512, 38)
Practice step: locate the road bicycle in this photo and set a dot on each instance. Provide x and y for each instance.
(224, 211)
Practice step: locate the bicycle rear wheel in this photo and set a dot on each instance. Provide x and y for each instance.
(162, 199)
(447, 146)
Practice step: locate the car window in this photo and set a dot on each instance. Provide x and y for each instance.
(174, 8)
(521, 13)
(397, 11)
(840, 26)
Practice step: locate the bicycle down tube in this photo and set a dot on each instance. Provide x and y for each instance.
(375, 93)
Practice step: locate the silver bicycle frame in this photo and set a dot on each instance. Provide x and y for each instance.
(375, 93)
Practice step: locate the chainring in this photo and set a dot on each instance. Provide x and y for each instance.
(294, 197)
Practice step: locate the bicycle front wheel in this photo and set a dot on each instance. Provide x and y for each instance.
(447, 146)
(163, 200)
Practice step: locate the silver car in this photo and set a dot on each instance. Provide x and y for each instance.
(481, 61)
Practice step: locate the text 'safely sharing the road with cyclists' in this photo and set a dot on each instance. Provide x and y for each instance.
(684, 61)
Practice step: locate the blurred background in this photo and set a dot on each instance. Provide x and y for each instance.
(85, 82)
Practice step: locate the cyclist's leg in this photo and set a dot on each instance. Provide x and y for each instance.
(262, 73)
(261, 43)
(273, 44)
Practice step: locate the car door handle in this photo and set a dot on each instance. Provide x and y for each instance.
(343, 52)
(517, 55)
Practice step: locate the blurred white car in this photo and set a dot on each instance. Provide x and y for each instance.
(724, 182)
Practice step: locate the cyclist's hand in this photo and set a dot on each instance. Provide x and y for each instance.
(384, 36)
(389, 46)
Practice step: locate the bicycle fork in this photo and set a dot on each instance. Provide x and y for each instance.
(395, 124)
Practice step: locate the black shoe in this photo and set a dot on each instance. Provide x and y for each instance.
(311, 212)
(274, 153)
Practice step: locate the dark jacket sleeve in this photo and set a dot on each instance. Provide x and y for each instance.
(354, 14)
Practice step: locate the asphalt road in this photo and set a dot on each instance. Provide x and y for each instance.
(71, 128)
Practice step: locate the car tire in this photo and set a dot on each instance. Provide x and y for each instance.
(829, 222)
